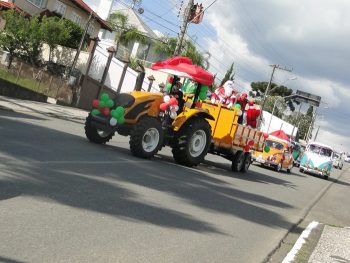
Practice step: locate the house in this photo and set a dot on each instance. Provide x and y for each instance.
(75, 10)
(137, 50)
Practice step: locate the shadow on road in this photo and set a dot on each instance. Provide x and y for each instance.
(8, 260)
(67, 169)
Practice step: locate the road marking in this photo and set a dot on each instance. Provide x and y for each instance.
(300, 242)
(69, 162)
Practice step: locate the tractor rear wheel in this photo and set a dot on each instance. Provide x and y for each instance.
(95, 135)
(246, 163)
(192, 142)
(146, 138)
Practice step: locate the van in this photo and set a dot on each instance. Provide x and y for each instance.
(317, 159)
(277, 154)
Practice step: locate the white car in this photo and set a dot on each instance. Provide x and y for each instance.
(338, 161)
(347, 158)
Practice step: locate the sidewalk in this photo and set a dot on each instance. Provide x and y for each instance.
(328, 241)
(47, 109)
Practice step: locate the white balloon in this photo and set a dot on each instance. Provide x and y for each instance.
(166, 98)
(176, 108)
(113, 122)
(173, 115)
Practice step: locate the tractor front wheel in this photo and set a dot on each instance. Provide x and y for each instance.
(146, 138)
(192, 142)
(95, 135)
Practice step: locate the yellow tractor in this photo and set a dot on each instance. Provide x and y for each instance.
(200, 126)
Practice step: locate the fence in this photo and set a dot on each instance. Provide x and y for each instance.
(37, 79)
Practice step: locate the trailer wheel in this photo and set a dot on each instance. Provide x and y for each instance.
(192, 142)
(278, 167)
(146, 138)
(247, 162)
(95, 135)
(237, 161)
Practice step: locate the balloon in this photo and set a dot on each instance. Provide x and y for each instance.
(267, 149)
(166, 99)
(95, 112)
(121, 120)
(120, 111)
(176, 108)
(203, 95)
(110, 103)
(163, 106)
(247, 148)
(251, 143)
(265, 135)
(104, 97)
(173, 101)
(95, 103)
(240, 113)
(102, 104)
(238, 106)
(168, 86)
(113, 122)
(170, 79)
(173, 115)
(105, 111)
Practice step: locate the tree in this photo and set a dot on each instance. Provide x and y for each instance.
(31, 51)
(75, 34)
(230, 74)
(53, 32)
(259, 89)
(125, 32)
(167, 45)
(13, 37)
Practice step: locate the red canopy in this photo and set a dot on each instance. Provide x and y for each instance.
(183, 67)
(280, 134)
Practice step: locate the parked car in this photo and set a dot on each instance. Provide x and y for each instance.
(347, 158)
(338, 161)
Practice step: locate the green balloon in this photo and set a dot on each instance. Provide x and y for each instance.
(203, 95)
(120, 111)
(95, 112)
(238, 106)
(102, 104)
(168, 86)
(121, 120)
(204, 89)
(104, 97)
(267, 149)
(110, 103)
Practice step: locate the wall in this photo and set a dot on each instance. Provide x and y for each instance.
(29, 7)
(65, 56)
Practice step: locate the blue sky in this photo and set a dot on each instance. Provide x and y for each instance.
(312, 37)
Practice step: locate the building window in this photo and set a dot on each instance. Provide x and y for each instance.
(37, 3)
(60, 8)
(76, 19)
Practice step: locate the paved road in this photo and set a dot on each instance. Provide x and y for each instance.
(63, 199)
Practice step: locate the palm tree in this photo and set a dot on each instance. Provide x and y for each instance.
(125, 32)
(167, 45)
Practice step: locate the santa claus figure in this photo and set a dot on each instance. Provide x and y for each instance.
(253, 112)
(225, 94)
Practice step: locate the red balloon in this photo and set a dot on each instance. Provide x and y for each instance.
(170, 80)
(105, 111)
(251, 143)
(265, 135)
(247, 148)
(173, 102)
(163, 106)
(95, 104)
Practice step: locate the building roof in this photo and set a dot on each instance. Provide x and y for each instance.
(10, 5)
(137, 21)
(87, 8)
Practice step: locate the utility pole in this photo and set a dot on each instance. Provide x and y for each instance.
(184, 26)
(274, 67)
(317, 132)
